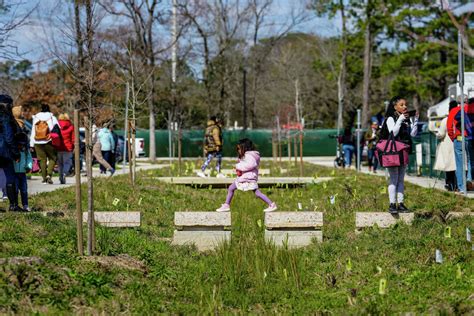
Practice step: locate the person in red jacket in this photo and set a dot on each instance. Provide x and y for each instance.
(66, 148)
(453, 126)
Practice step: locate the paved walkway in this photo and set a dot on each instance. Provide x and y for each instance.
(424, 182)
(35, 186)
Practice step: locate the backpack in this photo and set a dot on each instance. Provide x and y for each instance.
(42, 131)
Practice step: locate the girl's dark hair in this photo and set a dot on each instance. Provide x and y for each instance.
(245, 145)
(453, 104)
(391, 106)
(45, 107)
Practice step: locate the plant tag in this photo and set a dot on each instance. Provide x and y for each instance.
(447, 232)
(325, 185)
(379, 269)
(332, 199)
(285, 274)
(259, 223)
(383, 190)
(300, 206)
(333, 172)
(311, 201)
(115, 202)
(140, 201)
(349, 265)
(382, 286)
(287, 186)
(468, 235)
(438, 256)
(458, 271)
(264, 275)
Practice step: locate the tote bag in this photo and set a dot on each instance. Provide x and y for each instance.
(391, 153)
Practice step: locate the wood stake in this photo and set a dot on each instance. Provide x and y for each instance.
(77, 168)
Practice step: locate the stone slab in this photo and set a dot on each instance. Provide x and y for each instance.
(459, 214)
(381, 219)
(203, 240)
(224, 182)
(232, 171)
(115, 219)
(294, 239)
(202, 219)
(310, 220)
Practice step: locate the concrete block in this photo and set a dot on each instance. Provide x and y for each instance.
(294, 239)
(202, 219)
(263, 182)
(459, 214)
(293, 220)
(381, 219)
(203, 240)
(115, 219)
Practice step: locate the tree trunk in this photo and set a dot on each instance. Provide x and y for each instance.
(367, 69)
(341, 80)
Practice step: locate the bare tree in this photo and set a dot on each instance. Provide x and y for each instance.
(16, 18)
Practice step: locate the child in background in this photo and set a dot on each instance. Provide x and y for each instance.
(247, 176)
(22, 167)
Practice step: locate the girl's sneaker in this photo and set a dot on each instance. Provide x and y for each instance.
(272, 207)
(201, 174)
(26, 209)
(224, 208)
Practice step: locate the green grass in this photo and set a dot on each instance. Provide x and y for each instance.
(247, 275)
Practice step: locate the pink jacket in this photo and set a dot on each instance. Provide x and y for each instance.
(249, 167)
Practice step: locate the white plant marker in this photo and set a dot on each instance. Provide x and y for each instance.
(438, 256)
(332, 199)
(382, 286)
(468, 235)
(115, 202)
(300, 206)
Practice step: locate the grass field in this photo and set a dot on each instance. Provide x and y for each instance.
(342, 275)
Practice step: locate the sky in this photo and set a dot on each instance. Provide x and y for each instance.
(33, 40)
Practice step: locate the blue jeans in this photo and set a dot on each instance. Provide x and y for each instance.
(348, 152)
(107, 156)
(22, 186)
(373, 161)
(459, 162)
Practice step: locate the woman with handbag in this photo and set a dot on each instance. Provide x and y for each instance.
(399, 124)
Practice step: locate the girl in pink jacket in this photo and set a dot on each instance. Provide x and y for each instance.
(247, 176)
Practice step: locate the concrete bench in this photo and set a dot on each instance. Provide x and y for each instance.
(381, 219)
(295, 229)
(459, 214)
(115, 219)
(206, 230)
(282, 182)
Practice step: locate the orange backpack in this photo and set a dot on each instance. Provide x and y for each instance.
(42, 131)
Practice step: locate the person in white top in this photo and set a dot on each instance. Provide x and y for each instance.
(404, 127)
(445, 159)
(42, 125)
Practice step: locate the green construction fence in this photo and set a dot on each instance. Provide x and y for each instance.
(316, 142)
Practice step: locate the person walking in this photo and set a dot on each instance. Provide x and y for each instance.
(453, 126)
(348, 146)
(445, 159)
(107, 145)
(212, 147)
(8, 148)
(66, 147)
(247, 176)
(371, 137)
(41, 140)
(403, 127)
(22, 167)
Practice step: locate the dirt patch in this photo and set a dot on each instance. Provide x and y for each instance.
(21, 260)
(123, 261)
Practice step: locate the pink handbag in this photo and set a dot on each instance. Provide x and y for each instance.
(391, 153)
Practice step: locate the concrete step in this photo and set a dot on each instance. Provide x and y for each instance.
(381, 219)
(115, 219)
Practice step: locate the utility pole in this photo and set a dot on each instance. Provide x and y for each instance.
(461, 87)
(244, 97)
(125, 127)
